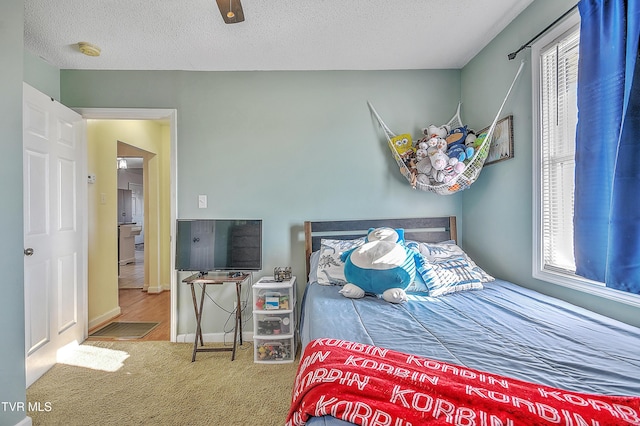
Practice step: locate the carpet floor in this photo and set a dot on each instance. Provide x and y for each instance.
(145, 383)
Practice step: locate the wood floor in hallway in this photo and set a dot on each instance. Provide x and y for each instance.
(137, 305)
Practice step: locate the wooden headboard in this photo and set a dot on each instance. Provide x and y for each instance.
(424, 229)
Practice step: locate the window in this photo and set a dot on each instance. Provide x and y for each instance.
(554, 61)
(558, 117)
(555, 77)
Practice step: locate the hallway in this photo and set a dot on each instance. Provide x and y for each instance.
(137, 305)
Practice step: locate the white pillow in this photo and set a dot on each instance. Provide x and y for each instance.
(313, 266)
(330, 267)
(448, 250)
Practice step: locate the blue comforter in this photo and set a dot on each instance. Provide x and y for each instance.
(503, 329)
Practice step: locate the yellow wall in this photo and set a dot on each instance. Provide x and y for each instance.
(149, 139)
(165, 203)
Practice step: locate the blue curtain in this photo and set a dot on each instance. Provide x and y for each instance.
(607, 174)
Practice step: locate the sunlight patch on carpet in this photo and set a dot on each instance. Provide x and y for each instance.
(91, 357)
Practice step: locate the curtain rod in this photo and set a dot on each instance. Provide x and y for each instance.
(513, 55)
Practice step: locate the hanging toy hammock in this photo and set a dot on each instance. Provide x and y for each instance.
(459, 182)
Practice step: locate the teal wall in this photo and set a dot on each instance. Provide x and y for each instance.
(42, 76)
(497, 210)
(284, 146)
(12, 373)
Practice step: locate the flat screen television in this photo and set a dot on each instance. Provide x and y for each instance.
(206, 245)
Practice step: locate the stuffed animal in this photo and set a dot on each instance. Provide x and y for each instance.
(434, 131)
(382, 265)
(423, 179)
(470, 140)
(422, 150)
(439, 160)
(403, 144)
(456, 144)
(423, 170)
(429, 168)
(479, 139)
(435, 145)
(424, 166)
(457, 136)
(451, 170)
(460, 152)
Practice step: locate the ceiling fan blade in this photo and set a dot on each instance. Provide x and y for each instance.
(231, 11)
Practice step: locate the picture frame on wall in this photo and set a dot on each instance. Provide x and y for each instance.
(501, 141)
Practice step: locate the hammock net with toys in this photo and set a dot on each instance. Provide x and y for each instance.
(446, 159)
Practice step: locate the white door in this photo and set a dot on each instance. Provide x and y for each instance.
(54, 184)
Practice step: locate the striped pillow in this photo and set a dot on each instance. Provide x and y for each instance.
(453, 275)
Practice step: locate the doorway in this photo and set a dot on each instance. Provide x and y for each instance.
(136, 303)
(130, 217)
(159, 177)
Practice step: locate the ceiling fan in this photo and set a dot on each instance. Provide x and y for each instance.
(231, 11)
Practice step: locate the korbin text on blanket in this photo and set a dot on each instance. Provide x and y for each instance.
(369, 385)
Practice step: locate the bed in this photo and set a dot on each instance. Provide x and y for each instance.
(497, 327)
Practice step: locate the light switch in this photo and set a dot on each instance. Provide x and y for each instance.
(202, 201)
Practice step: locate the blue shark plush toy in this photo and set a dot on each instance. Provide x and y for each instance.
(382, 265)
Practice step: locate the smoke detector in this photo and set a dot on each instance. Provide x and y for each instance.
(89, 49)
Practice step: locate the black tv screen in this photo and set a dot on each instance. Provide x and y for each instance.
(204, 245)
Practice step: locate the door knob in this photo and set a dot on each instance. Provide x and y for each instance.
(28, 251)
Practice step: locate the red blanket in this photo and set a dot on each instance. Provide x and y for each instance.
(372, 386)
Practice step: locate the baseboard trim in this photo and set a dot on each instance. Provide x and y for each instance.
(104, 317)
(25, 422)
(213, 337)
(154, 289)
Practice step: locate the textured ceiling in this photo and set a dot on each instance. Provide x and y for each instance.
(276, 34)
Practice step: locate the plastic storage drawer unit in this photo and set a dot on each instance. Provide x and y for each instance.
(274, 320)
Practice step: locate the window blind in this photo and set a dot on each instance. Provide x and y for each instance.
(559, 76)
